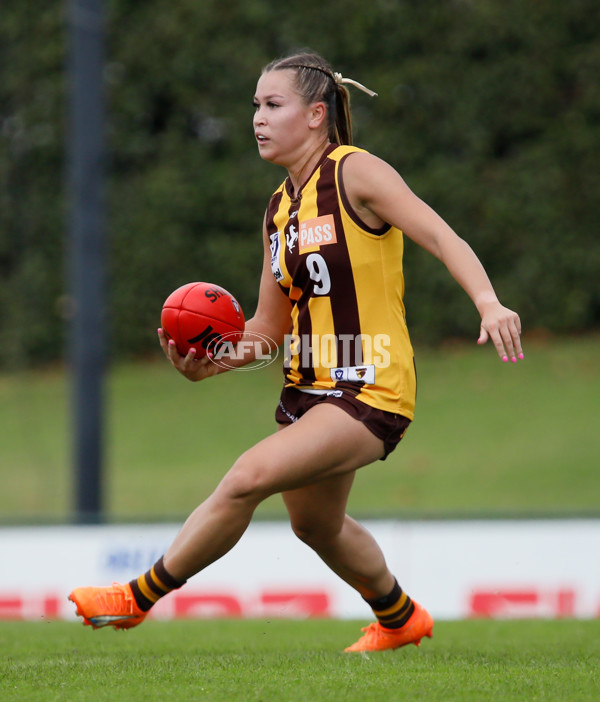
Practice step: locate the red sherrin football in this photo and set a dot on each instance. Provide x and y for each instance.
(198, 315)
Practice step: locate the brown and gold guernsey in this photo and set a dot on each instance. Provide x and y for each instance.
(346, 285)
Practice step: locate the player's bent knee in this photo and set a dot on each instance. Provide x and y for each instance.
(245, 481)
(315, 535)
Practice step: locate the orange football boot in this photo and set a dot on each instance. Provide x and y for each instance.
(378, 638)
(107, 606)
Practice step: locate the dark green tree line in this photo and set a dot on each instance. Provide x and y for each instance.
(491, 112)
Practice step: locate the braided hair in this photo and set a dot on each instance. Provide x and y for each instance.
(315, 81)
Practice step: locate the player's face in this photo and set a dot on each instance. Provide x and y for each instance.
(281, 118)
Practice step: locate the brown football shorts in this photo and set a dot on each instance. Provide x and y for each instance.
(387, 426)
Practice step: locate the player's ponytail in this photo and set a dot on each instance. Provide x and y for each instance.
(316, 81)
(340, 118)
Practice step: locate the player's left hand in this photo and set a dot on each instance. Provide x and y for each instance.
(503, 326)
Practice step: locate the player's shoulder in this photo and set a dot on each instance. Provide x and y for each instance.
(360, 158)
(342, 152)
(362, 166)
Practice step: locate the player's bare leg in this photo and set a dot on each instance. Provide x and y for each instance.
(300, 455)
(318, 517)
(288, 461)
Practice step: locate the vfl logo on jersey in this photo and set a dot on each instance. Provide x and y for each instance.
(275, 267)
(317, 232)
(363, 374)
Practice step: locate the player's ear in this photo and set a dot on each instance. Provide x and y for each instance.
(318, 112)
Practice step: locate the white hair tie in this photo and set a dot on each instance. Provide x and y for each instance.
(343, 81)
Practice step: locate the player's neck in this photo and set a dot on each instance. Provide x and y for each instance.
(305, 165)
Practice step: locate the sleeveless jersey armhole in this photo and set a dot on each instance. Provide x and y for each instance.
(378, 231)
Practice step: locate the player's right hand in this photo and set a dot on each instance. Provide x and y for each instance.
(192, 368)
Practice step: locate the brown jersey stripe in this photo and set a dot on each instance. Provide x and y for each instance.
(297, 264)
(343, 298)
(272, 208)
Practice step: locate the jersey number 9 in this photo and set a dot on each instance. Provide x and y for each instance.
(318, 271)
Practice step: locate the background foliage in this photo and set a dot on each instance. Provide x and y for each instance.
(491, 112)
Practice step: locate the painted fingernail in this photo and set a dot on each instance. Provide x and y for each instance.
(514, 359)
(505, 359)
(521, 356)
(159, 330)
(171, 342)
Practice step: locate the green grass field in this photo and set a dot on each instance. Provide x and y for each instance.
(288, 661)
(489, 438)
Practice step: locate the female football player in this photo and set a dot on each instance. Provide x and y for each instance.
(332, 287)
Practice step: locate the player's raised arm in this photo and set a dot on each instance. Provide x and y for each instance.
(379, 194)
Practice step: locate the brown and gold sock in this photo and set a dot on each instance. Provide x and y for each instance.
(151, 586)
(393, 610)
